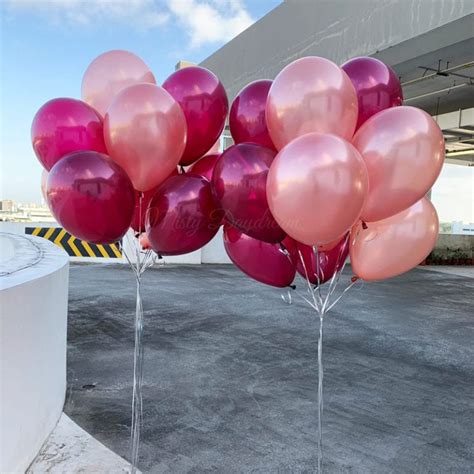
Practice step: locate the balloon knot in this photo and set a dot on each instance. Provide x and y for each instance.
(364, 225)
(183, 171)
(293, 287)
(354, 278)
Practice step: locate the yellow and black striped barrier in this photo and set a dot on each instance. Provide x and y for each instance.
(73, 246)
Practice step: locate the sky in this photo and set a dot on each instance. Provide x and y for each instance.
(47, 45)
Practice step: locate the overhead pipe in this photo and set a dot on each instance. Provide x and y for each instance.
(441, 72)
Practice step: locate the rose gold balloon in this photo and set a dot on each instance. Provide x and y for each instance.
(145, 133)
(329, 245)
(144, 241)
(316, 188)
(311, 94)
(394, 245)
(108, 74)
(403, 149)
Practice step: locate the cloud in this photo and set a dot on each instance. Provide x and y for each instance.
(212, 21)
(141, 14)
(203, 21)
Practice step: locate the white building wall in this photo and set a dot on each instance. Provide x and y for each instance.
(33, 329)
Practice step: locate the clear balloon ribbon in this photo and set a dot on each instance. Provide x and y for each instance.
(139, 260)
(322, 300)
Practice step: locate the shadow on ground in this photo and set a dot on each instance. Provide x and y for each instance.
(231, 372)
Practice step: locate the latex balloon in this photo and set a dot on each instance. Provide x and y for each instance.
(329, 245)
(247, 115)
(44, 179)
(62, 126)
(140, 209)
(403, 149)
(239, 181)
(311, 94)
(376, 84)
(306, 263)
(259, 260)
(91, 197)
(204, 102)
(182, 216)
(394, 245)
(144, 241)
(110, 73)
(205, 166)
(145, 133)
(316, 188)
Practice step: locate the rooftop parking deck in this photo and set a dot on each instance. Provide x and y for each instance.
(231, 372)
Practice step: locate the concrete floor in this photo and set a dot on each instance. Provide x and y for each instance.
(231, 372)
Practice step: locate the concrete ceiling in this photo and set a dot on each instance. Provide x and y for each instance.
(431, 50)
(442, 83)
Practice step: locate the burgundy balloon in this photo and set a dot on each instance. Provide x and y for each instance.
(62, 126)
(239, 180)
(247, 115)
(376, 84)
(204, 102)
(330, 261)
(182, 216)
(91, 197)
(205, 166)
(138, 223)
(259, 260)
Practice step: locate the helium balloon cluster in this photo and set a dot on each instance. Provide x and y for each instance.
(325, 157)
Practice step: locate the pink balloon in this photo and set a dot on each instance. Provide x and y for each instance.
(44, 180)
(394, 245)
(311, 94)
(144, 241)
(259, 260)
(145, 133)
(204, 102)
(247, 115)
(182, 216)
(91, 197)
(205, 166)
(330, 261)
(376, 84)
(62, 126)
(316, 188)
(403, 149)
(110, 73)
(239, 182)
(138, 220)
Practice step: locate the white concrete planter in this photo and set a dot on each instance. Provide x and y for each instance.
(33, 303)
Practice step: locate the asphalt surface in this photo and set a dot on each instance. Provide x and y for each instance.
(231, 372)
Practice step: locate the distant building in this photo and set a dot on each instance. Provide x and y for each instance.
(182, 64)
(7, 205)
(10, 211)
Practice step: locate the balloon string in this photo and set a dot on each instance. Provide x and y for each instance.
(137, 399)
(320, 394)
(138, 268)
(322, 305)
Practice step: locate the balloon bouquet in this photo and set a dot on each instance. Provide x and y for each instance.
(326, 164)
